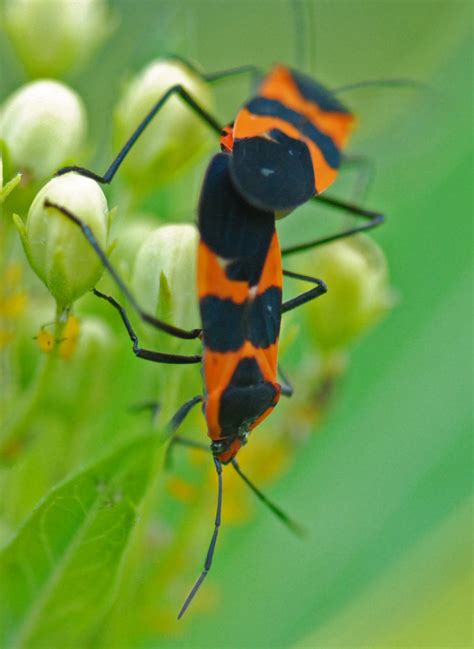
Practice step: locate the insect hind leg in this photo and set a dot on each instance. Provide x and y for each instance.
(307, 296)
(146, 354)
(144, 315)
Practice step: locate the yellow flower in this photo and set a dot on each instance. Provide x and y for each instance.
(70, 336)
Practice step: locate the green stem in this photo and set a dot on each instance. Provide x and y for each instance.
(14, 438)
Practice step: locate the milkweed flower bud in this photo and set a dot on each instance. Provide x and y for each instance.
(129, 240)
(96, 340)
(43, 125)
(175, 136)
(56, 248)
(164, 277)
(51, 37)
(355, 271)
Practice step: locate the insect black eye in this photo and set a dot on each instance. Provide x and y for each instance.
(219, 446)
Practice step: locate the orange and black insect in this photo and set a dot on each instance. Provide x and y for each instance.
(240, 272)
(239, 283)
(286, 143)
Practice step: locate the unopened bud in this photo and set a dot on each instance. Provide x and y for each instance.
(51, 36)
(43, 125)
(175, 136)
(164, 278)
(56, 248)
(96, 340)
(355, 271)
(129, 240)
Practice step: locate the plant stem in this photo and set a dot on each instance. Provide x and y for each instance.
(13, 439)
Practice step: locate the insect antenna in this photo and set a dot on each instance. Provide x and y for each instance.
(384, 83)
(303, 34)
(212, 545)
(289, 522)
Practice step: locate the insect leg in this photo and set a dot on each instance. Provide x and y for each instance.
(146, 317)
(146, 354)
(286, 386)
(212, 545)
(372, 220)
(293, 526)
(412, 84)
(221, 75)
(276, 510)
(179, 416)
(177, 90)
(365, 174)
(177, 419)
(190, 443)
(307, 296)
(150, 405)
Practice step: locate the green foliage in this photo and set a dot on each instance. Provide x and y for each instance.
(58, 575)
(373, 451)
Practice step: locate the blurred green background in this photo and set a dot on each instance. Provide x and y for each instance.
(385, 486)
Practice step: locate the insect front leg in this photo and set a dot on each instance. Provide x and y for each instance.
(365, 173)
(177, 90)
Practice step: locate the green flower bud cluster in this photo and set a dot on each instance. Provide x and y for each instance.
(356, 273)
(359, 295)
(80, 372)
(43, 127)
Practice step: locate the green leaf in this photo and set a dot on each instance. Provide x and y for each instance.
(9, 187)
(58, 575)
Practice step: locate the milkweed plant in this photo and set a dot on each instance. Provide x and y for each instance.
(102, 527)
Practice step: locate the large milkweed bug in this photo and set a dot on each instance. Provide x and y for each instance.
(240, 271)
(286, 143)
(240, 295)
